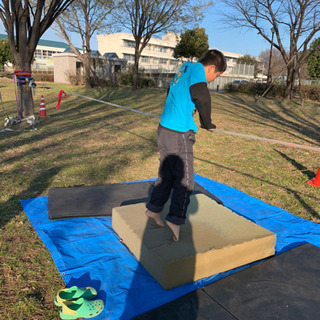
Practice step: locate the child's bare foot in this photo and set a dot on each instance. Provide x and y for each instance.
(175, 229)
(155, 217)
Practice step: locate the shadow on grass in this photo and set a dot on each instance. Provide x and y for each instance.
(40, 183)
(296, 194)
(74, 119)
(76, 116)
(300, 167)
(46, 146)
(291, 122)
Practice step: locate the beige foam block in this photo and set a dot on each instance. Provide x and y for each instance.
(214, 239)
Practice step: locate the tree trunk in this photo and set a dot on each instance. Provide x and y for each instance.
(87, 73)
(300, 88)
(136, 69)
(22, 61)
(89, 81)
(290, 83)
(24, 95)
(25, 100)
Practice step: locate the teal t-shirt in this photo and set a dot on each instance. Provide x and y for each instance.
(178, 109)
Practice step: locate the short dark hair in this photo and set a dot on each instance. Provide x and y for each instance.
(216, 58)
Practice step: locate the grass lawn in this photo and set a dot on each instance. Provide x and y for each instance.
(89, 143)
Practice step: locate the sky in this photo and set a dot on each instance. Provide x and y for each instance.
(220, 37)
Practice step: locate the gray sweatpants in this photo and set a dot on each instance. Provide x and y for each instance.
(175, 173)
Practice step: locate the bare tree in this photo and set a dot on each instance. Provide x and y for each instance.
(85, 17)
(145, 18)
(25, 22)
(295, 22)
(278, 67)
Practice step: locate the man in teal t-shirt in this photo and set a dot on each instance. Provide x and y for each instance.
(178, 111)
(188, 93)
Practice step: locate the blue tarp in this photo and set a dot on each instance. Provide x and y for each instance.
(87, 252)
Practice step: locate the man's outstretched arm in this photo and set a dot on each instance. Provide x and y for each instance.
(201, 97)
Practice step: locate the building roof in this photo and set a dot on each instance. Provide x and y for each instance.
(50, 43)
(110, 55)
(68, 50)
(46, 43)
(95, 53)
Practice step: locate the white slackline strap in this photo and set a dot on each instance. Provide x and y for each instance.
(289, 144)
(105, 102)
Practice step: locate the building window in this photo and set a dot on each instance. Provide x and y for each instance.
(145, 59)
(162, 61)
(160, 49)
(173, 62)
(155, 60)
(129, 43)
(129, 57)
(44, 54)
(38, 54)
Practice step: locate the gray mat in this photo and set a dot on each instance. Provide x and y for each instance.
(92, 201)
(284, 287)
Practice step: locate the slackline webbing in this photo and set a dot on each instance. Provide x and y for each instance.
(249, 136)
(105, 102)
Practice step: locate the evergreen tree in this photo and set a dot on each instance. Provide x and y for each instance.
(247, 59)
(5, 53)
(192, 44)
(313, 64)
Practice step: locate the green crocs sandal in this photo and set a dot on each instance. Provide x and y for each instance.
(74, 293)
(81, 308)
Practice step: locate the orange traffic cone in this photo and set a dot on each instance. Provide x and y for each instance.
(42, 112)
(316, 180)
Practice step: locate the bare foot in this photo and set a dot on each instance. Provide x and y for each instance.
(155, 217)
(175, 229)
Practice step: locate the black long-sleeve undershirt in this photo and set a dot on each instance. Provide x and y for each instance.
(201, 97)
